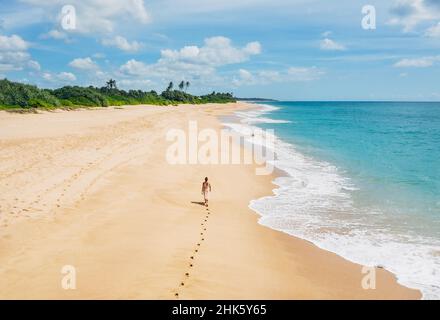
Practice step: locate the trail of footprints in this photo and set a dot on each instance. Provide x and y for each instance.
(60, 190)
(194, 254)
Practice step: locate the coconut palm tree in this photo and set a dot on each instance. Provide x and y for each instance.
(170, 86)
(111, 84)
(182, 85)
(187, 84)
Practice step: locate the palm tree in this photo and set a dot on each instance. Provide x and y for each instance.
(170, 86)
(182, 85)
(187, 84)
(111, 84)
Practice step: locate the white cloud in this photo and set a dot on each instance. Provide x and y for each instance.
(6, 67)
(14, 60)
(47, 76)
(291, 74)
(14, 55)
(201, 64)
(198, 64)
(434, 31)
(55, 34)
(12, 43)
(410, 13)
(59, 77)
(245, 75)
(97, 16)
(66, 76)
(253, 48)
(86, 64)
(193, 61)
(99, 55)
(304, 73)
(123, 44)
(34, 65)
(423, 62)
(331, 45)
(217, 51)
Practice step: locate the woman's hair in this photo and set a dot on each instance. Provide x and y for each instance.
(206, 179)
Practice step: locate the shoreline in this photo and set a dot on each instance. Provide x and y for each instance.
(279, 195)
(279, 172)
(127, 221)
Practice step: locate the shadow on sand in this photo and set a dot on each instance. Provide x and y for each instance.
(198, 202)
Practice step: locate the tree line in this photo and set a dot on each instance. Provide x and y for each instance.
(15, 95)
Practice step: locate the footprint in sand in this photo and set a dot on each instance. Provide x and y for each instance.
(196, 251)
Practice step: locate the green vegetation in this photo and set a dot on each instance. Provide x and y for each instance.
(17, 95)
(14, 95)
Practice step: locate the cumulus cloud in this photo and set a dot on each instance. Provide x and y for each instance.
(202, 63)
(59, 77)
(423, 62)
(12, 43)
(291, 74)
(410, 13)
(97, 16)
(193, 61)
(13, 60)
(123, 44)
(55, 34)
(331, 45)
(86, 64)
(14, 55)
(217, 51)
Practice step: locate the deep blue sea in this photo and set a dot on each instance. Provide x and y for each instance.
(362, 179)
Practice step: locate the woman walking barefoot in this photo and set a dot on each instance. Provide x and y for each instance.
(206, 189)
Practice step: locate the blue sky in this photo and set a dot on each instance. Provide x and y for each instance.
(289, 50)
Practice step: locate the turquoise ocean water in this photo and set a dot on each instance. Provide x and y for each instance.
(362, 179)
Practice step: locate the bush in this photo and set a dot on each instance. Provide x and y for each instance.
(18, 95)
(216, 97)
(14, 94)
(178, 96)
(80, 96)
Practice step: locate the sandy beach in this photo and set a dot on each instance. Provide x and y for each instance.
(92, 189)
